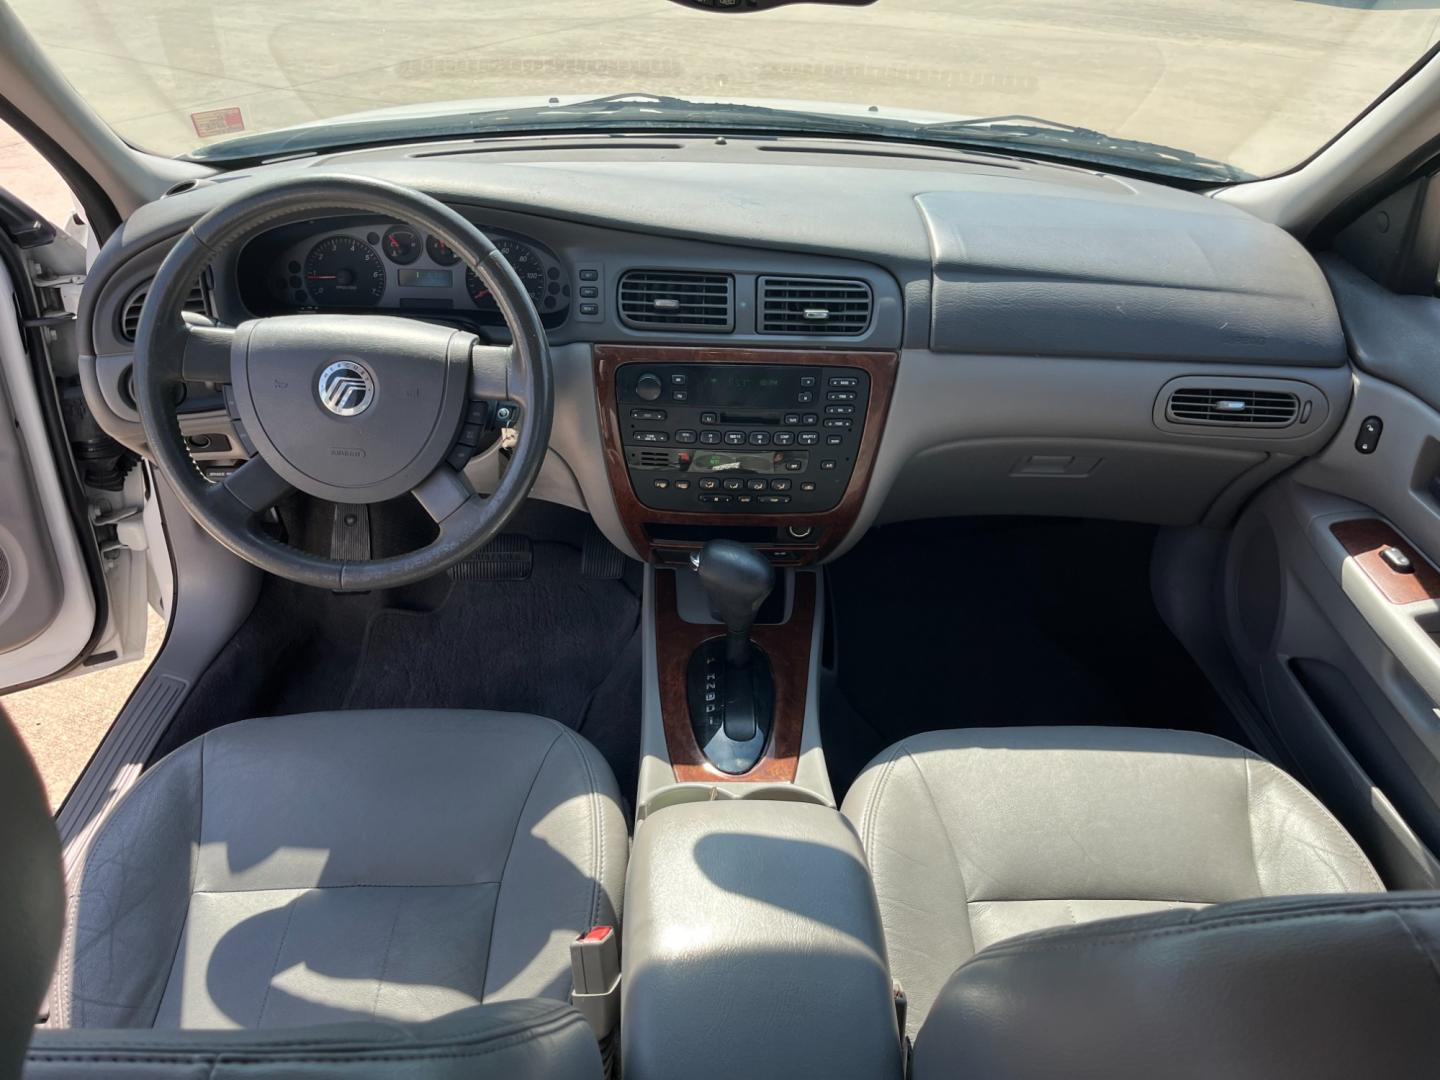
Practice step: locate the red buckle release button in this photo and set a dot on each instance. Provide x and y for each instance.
(597, 933)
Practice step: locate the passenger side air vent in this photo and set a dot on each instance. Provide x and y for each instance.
(130, 312)
(677, 300)
(793, 305)
(1232, 408)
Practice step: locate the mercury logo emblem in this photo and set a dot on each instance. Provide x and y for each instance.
(346, 388)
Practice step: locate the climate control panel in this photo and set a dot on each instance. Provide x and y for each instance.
(740, 438)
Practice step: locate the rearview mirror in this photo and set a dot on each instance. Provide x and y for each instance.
(759, 5)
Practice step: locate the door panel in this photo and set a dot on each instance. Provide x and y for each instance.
(1344, 651)
(47, 604)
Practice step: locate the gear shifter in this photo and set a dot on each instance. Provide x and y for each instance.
(731, 688)
(737, 580)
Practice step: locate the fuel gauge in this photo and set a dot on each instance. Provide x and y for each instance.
(401, 245)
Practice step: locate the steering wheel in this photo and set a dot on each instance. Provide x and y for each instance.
(348, 408)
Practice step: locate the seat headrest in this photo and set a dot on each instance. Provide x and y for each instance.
(1337, 986)
(32, 898)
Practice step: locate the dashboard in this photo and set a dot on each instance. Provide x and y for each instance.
(386, 266)
(1023, 338)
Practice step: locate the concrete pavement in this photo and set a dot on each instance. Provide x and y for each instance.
(1260, 83)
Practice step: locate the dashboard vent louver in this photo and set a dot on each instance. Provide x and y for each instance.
(795, 305)
(1232, 408)
(130, 312)
(677, 300)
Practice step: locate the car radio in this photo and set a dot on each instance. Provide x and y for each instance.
(740, 438)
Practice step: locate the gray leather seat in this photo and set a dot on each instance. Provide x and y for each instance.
(1310, 988)
(975, 836)
(397, 865)
(516, 1040)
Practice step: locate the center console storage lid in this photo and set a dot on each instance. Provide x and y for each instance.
(753, 948)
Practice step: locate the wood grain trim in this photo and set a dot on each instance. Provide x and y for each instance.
(1363, 540)
(788, 647)
(828, 527)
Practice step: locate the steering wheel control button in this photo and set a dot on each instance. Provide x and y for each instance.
(1369, 437)
(346, 388)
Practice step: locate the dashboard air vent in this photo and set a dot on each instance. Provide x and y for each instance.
(677, 300)
(130, 313)
(794, 305)
(1232, 408)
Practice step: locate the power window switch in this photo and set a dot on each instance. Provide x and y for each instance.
(1397, 560)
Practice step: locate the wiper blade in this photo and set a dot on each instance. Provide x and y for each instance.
(1017, 129)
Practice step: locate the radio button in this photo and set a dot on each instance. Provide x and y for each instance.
(837, 423)
(710, 438)
(685, 435)
(759, 438)
(780, 483)
(680, 395)
(661, 484)
(652, 436)
(732, 483)
(842, 382)
(805, 397)
(809, 438)
(808, 381)
(840, 395)
(756, 485)
(679, 378)
(708, 483)
(647, 414)
(792, 419)
(809, 418)
(807, 485)
(834, 440)
(784, 438)
(709, 418)
(682, 485)
(795, 466)
(734, 438)
(828, 465)
(839, 410)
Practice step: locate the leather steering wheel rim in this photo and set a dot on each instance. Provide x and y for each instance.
(170, 351)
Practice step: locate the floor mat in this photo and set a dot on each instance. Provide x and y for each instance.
(995, 622)
(550, 641)
(549, 644)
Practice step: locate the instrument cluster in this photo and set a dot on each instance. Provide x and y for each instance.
(320, 266)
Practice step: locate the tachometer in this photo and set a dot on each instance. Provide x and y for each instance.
(401, 244)
(528, 267)
(341, 271)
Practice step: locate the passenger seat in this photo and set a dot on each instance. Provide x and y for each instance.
(975, 836)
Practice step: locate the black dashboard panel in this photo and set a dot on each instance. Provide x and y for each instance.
(1103, 273)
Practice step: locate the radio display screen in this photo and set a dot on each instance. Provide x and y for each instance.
(749, 385)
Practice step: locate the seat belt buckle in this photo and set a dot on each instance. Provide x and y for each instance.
(595, 971)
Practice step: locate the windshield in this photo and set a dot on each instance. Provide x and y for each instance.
(1207, 89)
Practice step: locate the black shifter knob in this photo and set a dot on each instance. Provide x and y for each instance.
(737, 580)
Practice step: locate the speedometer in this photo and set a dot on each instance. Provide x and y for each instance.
(342, 271)
(527, 266)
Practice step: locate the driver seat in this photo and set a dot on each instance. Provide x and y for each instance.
(393, 865)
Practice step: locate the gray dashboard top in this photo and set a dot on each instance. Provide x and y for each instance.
(1024, 257)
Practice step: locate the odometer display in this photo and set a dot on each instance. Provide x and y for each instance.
(527, 266)
(341, 271)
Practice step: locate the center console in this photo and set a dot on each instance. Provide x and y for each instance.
(753, 947)
(769, 447)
